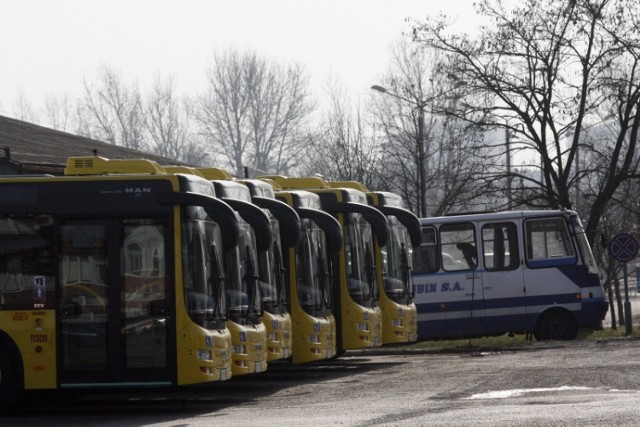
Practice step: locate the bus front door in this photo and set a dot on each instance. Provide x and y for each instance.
(460, 288)
(502, 278)
(114, 313)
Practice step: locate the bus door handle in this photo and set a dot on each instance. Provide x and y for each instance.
(472, 276)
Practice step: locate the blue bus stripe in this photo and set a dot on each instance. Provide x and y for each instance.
(494, 303)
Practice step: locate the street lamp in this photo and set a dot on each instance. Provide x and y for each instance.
(420, 106)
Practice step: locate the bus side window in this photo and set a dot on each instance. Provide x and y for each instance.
(12, 279)
(26, 264)
(548, 243)
(425, 259)
(458, 245)
(500, 246)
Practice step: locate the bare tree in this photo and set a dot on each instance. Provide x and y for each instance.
(343, 147)
(254, 113)
(115, 111)
(58, 111)
(82, 120)
(430, 158)
(22, 108)
(543, 70)
(168, 121)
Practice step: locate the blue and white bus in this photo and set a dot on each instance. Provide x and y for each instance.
(508, 272)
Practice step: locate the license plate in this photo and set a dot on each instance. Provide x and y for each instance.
(224, 374)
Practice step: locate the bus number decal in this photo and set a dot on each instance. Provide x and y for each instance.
(39, 338)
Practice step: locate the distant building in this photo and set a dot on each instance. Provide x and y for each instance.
(26, 149)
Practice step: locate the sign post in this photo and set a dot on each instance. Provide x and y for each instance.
(624, 248)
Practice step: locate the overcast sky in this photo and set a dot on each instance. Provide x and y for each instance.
(48, 46)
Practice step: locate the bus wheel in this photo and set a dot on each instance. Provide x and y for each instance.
(8, 383)
(556, 325)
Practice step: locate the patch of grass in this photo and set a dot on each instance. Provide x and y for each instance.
(608, 333)
(471, 344)
(505, 341)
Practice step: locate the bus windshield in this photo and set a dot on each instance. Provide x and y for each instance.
(360, 267)
(313, 276)
(272, 275)
(396, 261)
(204, 285)
(583, 245)
(243, 294)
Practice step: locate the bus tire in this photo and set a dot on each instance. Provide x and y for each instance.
(8, 381)
(556, 324)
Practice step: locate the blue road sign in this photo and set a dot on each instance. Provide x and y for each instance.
(623, 247)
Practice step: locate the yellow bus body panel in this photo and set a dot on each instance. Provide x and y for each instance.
(203, 355)
(398, 321)
(249, 353)
(279, 336)
(33, 332)
(314, 338)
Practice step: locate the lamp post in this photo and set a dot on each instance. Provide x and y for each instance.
(422, 161)
(507, 138)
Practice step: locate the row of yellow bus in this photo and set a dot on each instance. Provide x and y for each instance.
(125, 273)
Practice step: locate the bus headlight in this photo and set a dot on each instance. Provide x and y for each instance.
(362, 326)
(314, 339)
(203, 354)
(272, 336)
(239, 349)
(396, 322)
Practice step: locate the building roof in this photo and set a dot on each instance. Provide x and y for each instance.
(31, 148)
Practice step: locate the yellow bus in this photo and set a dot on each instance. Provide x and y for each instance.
(399, 313)
(393, 265)
(244, 303)
(111, 280)
(310, 279)
(355, 292)
(285, 226)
